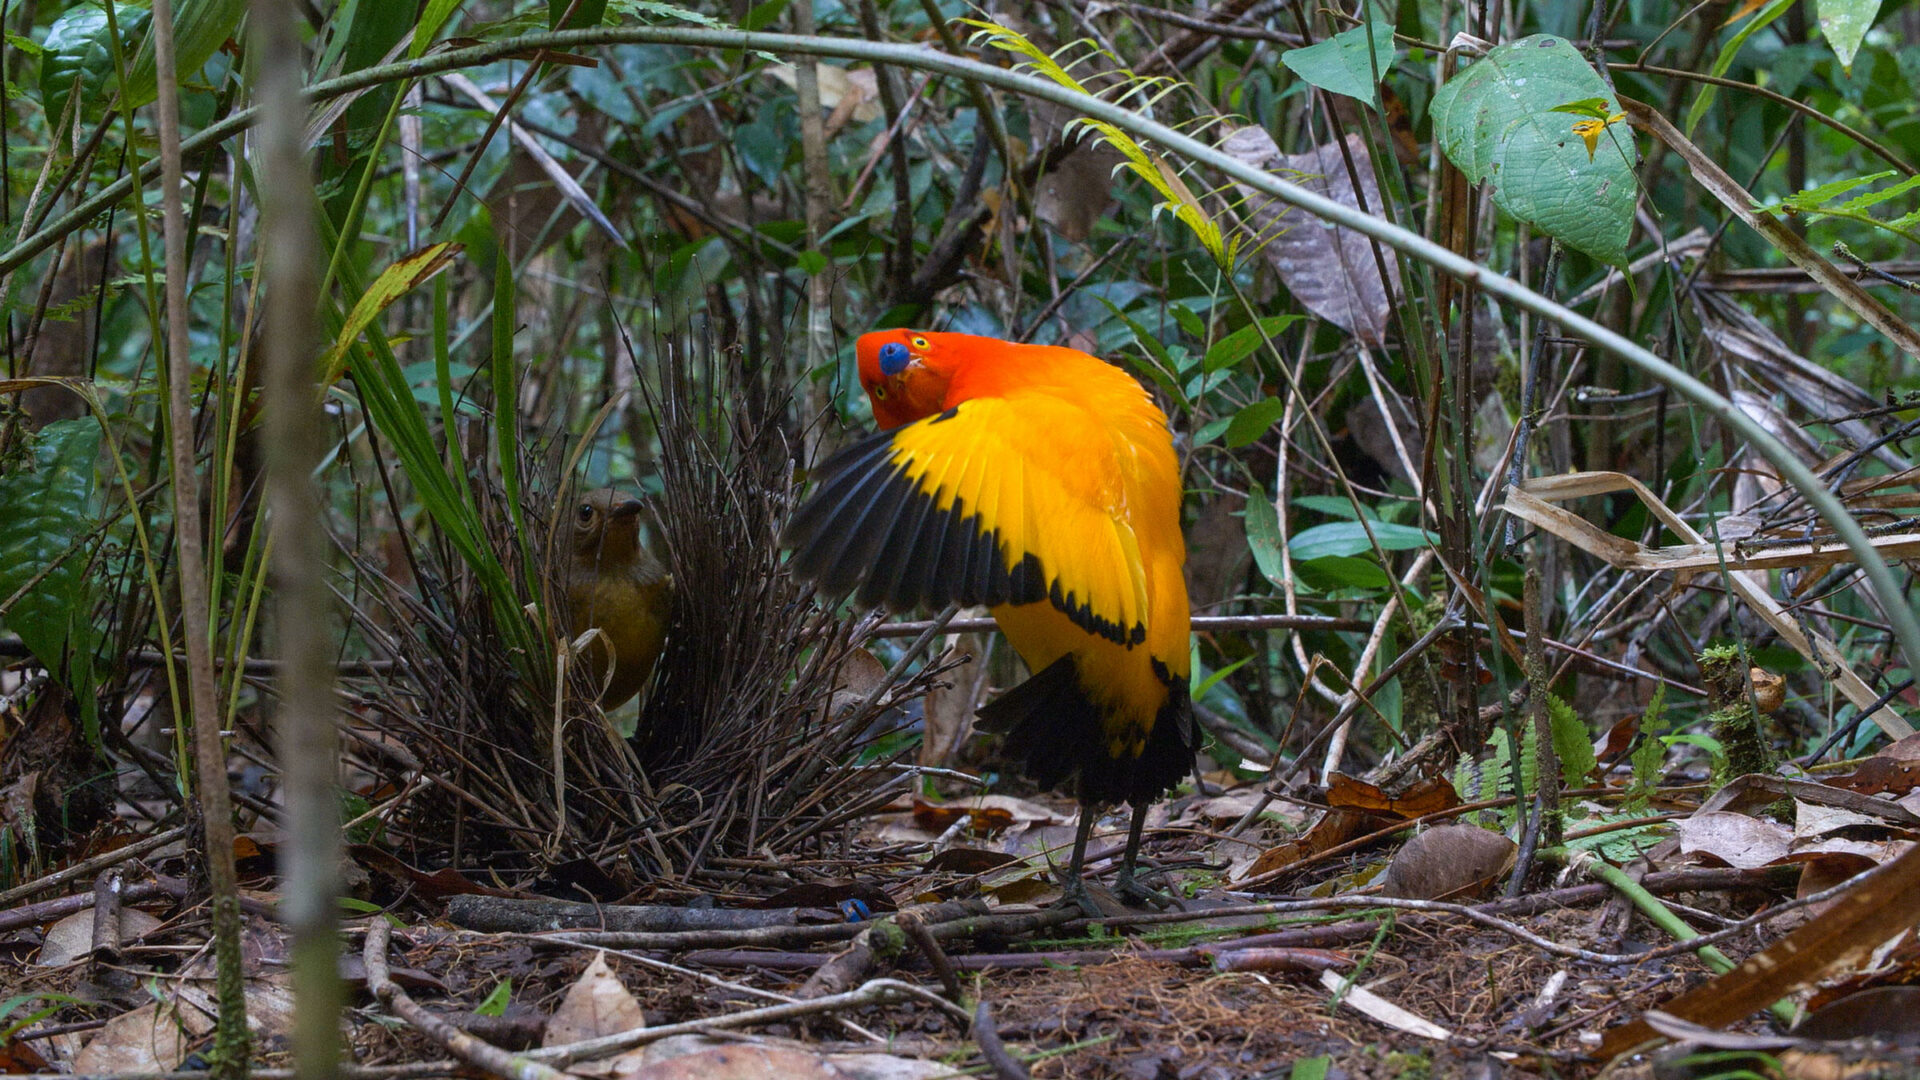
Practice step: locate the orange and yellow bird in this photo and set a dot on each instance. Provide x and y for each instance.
(1041, 482)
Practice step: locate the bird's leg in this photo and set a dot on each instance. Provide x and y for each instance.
(1075, 886)
(1129, 889)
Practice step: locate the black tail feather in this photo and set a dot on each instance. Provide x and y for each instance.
(1054, 731)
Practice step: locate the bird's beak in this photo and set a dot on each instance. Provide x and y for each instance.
(625, 508)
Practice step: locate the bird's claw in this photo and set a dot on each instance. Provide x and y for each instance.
(1134, 894)
(1075, 892)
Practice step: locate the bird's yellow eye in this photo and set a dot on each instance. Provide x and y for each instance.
(920, 343)
(880, 391)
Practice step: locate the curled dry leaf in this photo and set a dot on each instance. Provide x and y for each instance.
(1449, 861)
(1331, 270)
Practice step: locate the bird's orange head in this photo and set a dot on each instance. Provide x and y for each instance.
(906, 372)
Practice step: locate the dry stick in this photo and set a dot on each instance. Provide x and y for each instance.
(742, 989)
(1511, 929)
(480, 1054)
(51, 910)
(407, 1071)
(987, 1035)
(872, 992)
(90, 867)
(916, 931)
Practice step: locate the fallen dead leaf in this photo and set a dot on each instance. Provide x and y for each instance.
(1738, 840)
(597, 1004)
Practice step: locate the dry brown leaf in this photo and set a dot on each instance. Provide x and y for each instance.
(1449, 861)
(1735, 839)
(145, 1040)
(597, 1004)
(1329, 269)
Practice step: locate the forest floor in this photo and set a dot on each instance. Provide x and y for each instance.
(1226, 989)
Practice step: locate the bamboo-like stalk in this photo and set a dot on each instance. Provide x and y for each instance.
(209, 749)
(308, 742)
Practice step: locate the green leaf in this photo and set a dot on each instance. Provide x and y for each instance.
(1343, 63)
(1242, 343)
(1253, 421)
(1725, 60)
(1350, 538)
(1212, 430)
(1199, 686)
(430, 23)
(585, 13)
(1844, 23)
(497, 1000)
(1343, 571)
(43, 523)
(1263, 533)
(1595, 107)
(78, 47)
(1572, 743)
(1816, 197)
(200, 27)
(1497, 124)
(1334, 506)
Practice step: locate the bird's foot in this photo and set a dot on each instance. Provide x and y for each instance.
(1134, 894)
(1074, 891)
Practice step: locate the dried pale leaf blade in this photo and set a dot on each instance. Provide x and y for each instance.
(1332, 271)
(1497, 124)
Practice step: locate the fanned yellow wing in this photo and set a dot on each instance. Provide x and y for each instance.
(998, 500)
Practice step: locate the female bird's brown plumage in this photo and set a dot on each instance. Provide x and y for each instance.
(614, 584)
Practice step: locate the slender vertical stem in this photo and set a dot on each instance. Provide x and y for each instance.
(309, 752)
(209, 751)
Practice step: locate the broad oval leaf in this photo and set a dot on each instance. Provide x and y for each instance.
(1497, 124)
(43, 516)
(1337, 538)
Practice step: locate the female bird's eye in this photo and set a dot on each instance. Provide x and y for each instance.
(919, 343)
(586, 514)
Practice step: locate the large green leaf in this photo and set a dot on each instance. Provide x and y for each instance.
(1845, 24)
(78, 46)
(43, 515)
(199, 29)
(1497, 125)
(1343, 63)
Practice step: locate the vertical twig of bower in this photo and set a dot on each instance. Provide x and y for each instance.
(308, 744)
(209, 752)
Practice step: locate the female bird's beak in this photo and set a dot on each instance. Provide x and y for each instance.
(625, 508)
